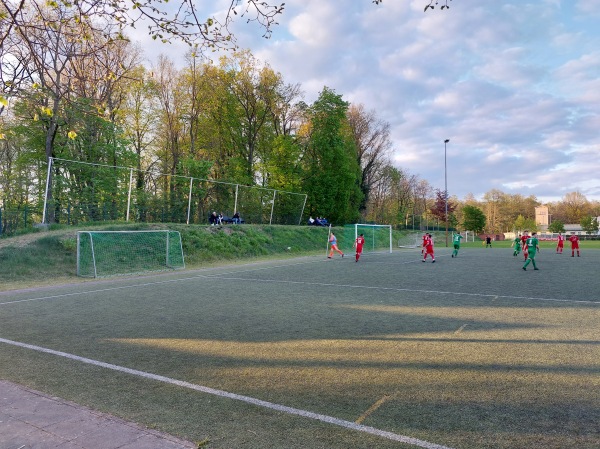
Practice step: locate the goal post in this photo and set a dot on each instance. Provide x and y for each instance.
(410, 240)
(115, 253)
(377, 237)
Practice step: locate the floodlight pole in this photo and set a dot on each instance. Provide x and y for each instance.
(446, 188)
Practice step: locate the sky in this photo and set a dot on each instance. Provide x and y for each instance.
(514, 85)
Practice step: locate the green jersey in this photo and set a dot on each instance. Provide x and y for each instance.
(456, 239)
(532, 244)
(517, 242)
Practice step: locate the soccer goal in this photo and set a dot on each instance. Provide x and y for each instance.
(114, 253)
(377, 237)
(410, 240)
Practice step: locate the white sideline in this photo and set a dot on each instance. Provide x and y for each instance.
(270, 405)
(320, 284)
(145, 284)
(439, 292)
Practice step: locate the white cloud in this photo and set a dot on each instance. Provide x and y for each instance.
(515, 86)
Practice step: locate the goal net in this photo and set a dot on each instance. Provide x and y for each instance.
(410, 240)
(377, 237)
(114, 253)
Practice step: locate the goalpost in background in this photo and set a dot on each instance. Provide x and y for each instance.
(114, 253)
(410, 240)
(377, 237)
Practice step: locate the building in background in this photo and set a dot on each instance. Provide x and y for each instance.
(542, 218)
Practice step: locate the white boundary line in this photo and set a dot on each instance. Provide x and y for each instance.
(439, 292)
(226, 276)
(145, 284)
(247, 399)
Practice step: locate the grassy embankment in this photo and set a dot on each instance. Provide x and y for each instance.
(49, 257)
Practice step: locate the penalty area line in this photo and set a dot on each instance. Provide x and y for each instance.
(143, 284)
(396, 289)
(238, 397)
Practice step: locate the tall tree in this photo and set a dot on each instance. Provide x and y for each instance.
(576, 206)
(473, 219)
(589, 224)
(372, 139)
(330, 163)
(439, 206)
(253, 88)
(556, 226)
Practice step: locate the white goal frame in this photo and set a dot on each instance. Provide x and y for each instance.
(374, 226)
(166, 266)
(406, 241)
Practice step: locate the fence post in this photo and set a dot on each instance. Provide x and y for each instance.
(302, 211)
(190, 200)
(129, 193)
(0, 220)
(236, 198)
(272, 207)
(47, 187)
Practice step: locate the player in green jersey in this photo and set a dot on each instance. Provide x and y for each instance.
(456, 241)
(532, 248)
(517, 244)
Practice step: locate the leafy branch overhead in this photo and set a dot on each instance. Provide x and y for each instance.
(166, 21)
(431, 4)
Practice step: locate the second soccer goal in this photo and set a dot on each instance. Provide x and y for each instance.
(377, 237)
(114, 253)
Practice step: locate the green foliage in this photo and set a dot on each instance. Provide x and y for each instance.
(439, 207)
(525, 224)
(556, 226)
(473, 219)
(331, 169)
(589, 224)
(52, 255)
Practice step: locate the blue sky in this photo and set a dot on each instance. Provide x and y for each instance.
(514, 85)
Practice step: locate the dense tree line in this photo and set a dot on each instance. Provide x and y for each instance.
(78, 92)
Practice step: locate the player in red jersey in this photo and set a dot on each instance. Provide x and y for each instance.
(560, 244)
(429, 249)
(424, 243)
(358, 244)
(574, 239)
(524, 238)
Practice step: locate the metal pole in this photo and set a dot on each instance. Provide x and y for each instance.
(446, 188)
(236, 198)
(272, 207)
(47, 186)
(190, 200)
(129, 194)
(303, 206)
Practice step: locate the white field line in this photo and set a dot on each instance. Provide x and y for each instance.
(247, 399)
(367, 287)
(225, 276)
(149, 284)
(145, 284)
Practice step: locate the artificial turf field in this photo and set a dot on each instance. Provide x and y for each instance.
(390, 352)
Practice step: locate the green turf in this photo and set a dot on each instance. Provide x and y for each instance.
(469, 352)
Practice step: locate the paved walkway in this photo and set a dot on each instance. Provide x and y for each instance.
(32, 420)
